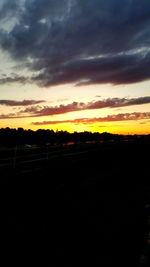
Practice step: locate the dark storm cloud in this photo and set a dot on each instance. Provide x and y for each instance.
(79, 106)
(110, 118)
(8, 8)
(15, 103)
(82, 42)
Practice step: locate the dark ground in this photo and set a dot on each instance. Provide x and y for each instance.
(89, 210)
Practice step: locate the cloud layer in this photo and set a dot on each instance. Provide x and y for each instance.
(81, 42)
(33, 109)
(15, 103)
(110, 118)
(80, 106)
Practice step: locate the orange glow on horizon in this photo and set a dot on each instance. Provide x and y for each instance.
(122, 127)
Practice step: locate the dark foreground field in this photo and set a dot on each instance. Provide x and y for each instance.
(90, 208)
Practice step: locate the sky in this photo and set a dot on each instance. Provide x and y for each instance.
(75, 65)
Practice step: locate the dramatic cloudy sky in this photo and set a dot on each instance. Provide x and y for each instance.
(75, 65)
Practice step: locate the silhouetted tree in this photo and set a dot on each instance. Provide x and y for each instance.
(11, 137)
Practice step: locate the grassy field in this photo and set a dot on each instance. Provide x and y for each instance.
(80, 204)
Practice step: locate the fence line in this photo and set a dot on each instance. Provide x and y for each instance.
(17, 160)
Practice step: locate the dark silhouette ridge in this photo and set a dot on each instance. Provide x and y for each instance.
(11, 137)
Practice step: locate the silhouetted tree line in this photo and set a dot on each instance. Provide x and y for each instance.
(11, 137)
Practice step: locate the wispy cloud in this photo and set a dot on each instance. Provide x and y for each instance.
(15, 103)
(80, 106)
(33, 109)
(109, 118)
(8, 116)
(14, 78)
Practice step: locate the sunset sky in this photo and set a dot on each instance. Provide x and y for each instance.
(75, 65)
